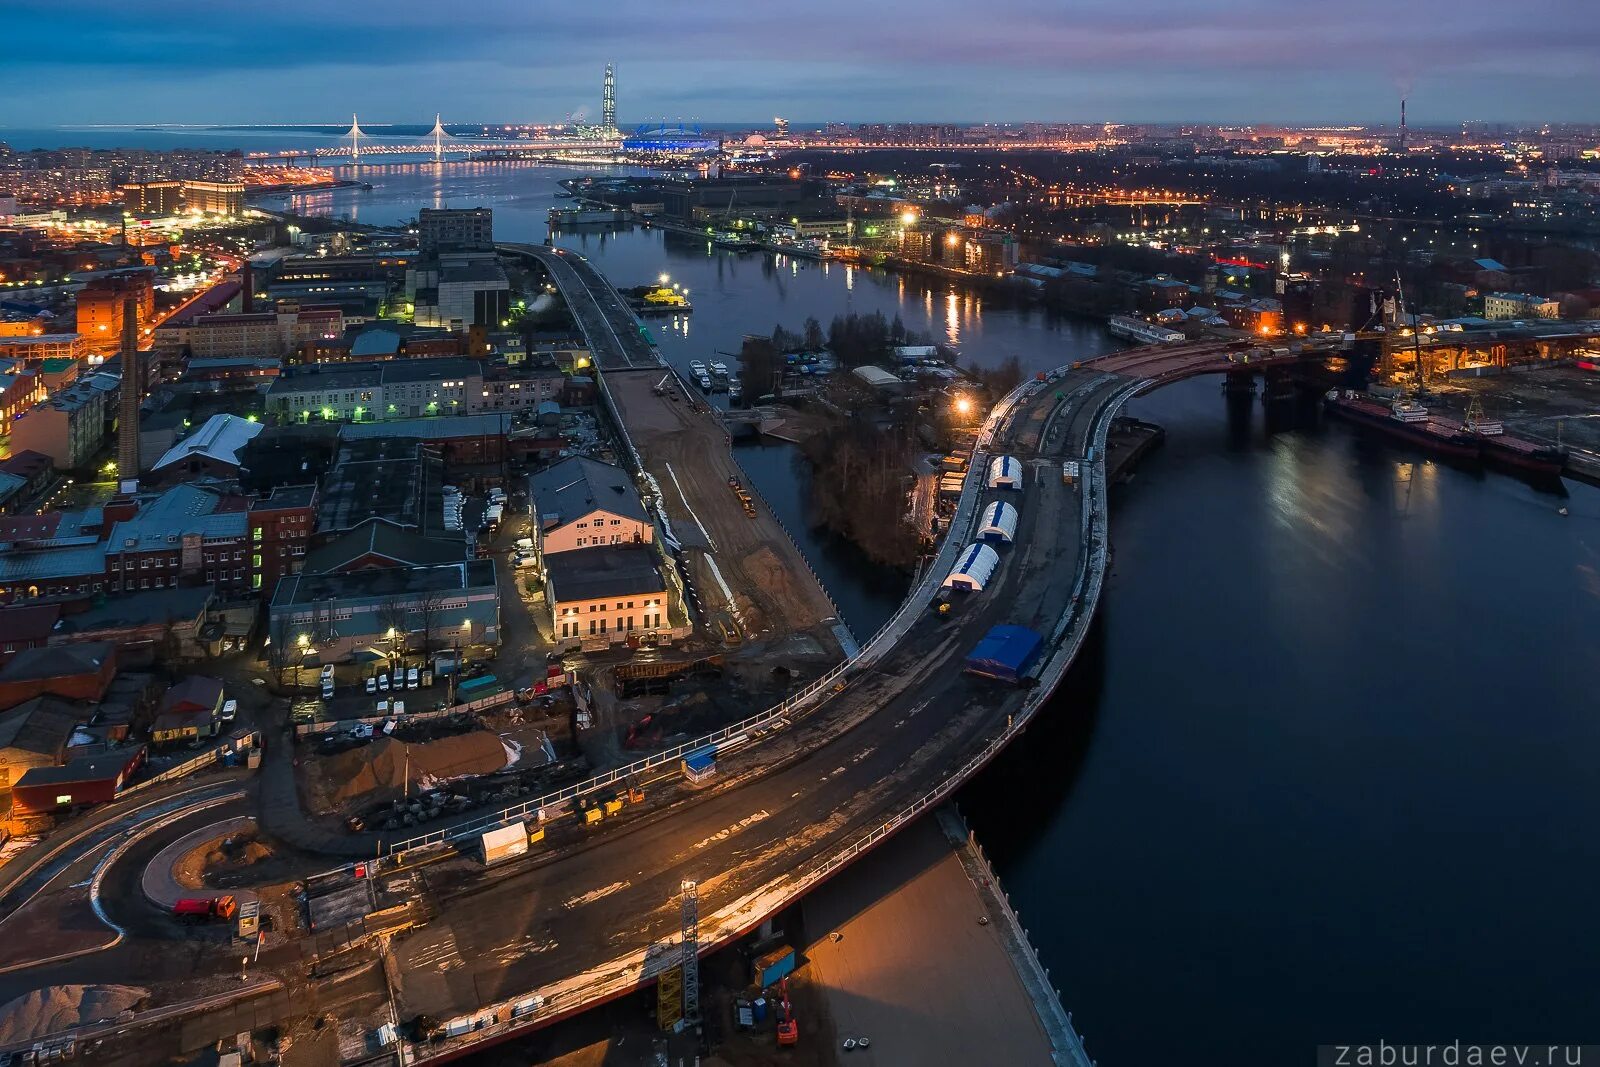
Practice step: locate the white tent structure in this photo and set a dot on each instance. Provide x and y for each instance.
(1005, 473)
(998, 523)
(973, 569)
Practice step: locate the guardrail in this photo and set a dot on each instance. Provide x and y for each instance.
(618, 976)
(868, 654)
(188, 767)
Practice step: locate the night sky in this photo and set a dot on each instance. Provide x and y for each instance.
(1291, 61)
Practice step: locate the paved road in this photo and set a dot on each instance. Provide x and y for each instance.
(908, 724)
(609, 326)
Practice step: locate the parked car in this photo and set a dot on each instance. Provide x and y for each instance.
(372, 684)
(230, 710)
(383, 682)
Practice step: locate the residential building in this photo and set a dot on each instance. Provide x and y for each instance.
(456, 605)
(189, 711)
(455, 230)
(606, 593)
(214, 198)
(36, 471)
(100, 307)
(1519, 306)
(580, 503)
(153, 199)
(275, 334)
(19, 391)
(69, 427)
(69, 569)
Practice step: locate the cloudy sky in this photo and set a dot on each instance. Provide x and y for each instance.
(1307, 61)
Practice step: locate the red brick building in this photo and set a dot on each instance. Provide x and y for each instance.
(280, 528)
(100, 307)
(72, 672)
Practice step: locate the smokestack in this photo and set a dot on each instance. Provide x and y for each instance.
(1402, 124)
(247, 282)
(132, 397)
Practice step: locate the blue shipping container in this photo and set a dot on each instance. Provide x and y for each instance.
(1005, 653)
(774, 967)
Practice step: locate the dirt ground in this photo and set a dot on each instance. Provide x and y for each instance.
(1542, 405)
(238, 861)
(56, 1008)
(377, 773)
(687, 450)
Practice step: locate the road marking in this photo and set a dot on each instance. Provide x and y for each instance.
(685, 498)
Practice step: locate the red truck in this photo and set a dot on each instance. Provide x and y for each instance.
(203, 909)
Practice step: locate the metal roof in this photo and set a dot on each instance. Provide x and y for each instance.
(221, 438)
(1000, 519)
(577, 486)
(974, 567)
(1005, 471)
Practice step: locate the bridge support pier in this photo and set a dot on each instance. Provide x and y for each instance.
(1240, 381)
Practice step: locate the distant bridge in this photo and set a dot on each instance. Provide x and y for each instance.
(356, 143)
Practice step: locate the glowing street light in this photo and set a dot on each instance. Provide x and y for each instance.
(963, 405)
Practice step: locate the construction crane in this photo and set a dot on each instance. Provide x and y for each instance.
(691, 953)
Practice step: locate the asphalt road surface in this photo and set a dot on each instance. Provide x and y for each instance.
(888, 738)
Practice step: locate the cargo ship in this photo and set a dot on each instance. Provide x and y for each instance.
(1502, 449)
(1408, 421)
(1146, 333)
(734, 242)
(566, 217)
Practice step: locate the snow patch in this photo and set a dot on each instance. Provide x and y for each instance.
(595, 894)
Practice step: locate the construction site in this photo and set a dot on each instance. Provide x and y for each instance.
(751, 581)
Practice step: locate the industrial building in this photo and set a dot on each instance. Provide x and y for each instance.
(454, 605)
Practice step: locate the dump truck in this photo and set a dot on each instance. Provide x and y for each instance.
(204, 909)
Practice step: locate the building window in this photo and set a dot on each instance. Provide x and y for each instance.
(592, 625)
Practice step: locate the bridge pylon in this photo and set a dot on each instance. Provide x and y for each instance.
(355, 134)
(438, 135)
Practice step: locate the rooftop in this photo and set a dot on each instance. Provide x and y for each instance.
(488, 424)
(574, 487)
(365, 375)
(404, 547)
(219, 439)
(58, 661)
(96, 768)
(385, 582)
(596, 573)
(41, 725)
(144, 608)
(395, 479)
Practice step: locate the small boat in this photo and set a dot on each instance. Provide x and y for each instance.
(698, 367)
(705, 383)
(719, 368)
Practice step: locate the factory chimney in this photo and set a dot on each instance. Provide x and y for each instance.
(132, 398)
(1402, 124)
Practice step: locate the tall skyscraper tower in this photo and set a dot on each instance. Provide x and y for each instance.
(608, 100)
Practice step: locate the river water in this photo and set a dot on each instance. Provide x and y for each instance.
(1326, 772)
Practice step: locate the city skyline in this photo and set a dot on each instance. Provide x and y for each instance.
(1156, 61)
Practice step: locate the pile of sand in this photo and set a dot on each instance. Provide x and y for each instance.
(57, 1008)
(378, 771)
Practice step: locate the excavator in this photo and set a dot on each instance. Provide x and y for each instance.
(788, 1025)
